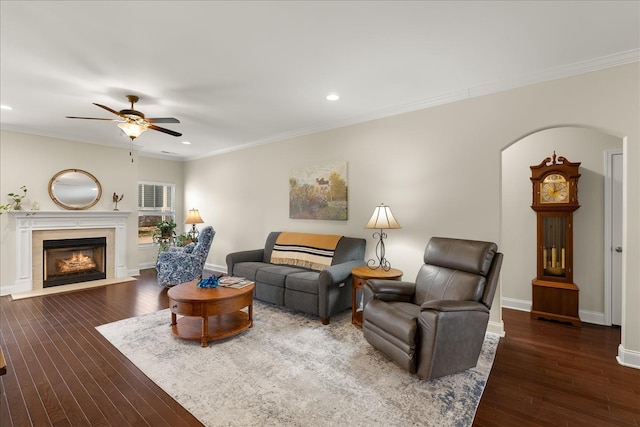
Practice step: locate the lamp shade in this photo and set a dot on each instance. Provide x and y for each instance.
(193, 217)
(382, 218)
(132, 130)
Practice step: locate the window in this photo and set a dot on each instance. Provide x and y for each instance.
(156, 202)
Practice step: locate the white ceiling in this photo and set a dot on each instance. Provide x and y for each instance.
(238, 74)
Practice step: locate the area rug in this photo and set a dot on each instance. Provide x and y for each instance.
(291, 370)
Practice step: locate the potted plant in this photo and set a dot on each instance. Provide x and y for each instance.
(165, 234)
(166, 229)
(184, 239)
(16, 205)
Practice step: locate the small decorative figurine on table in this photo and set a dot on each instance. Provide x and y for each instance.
(116, 199)
(210, 282)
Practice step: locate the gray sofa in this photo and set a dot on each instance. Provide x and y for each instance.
(321, 293)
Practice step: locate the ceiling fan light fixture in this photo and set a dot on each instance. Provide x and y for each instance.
(132, 122)
(132, 130)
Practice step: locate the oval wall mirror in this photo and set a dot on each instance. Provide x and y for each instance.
(74, 189)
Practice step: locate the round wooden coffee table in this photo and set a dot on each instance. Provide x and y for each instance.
(209, 314)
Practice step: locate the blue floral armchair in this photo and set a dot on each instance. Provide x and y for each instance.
(183, 264)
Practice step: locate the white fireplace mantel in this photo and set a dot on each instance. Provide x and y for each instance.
(29, 221)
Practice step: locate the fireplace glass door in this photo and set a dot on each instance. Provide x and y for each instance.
(73, 261)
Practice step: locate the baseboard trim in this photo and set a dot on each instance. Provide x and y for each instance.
(515, 304)
(628, 358)
(146, 265)
(593, 317)
(496, 328)
(216, 268)
(13, 289)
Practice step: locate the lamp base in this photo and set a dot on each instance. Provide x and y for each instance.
(383, 264)
(193, 233)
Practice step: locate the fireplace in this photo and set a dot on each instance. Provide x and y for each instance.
(73, 260)
(33, 228)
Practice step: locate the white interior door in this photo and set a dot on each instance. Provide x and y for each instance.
(616, 239)
(613, 238)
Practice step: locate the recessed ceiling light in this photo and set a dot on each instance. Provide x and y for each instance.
(186, 142)
(332, 97)
(5, 107)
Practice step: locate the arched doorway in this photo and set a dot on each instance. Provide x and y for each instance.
(578, 144)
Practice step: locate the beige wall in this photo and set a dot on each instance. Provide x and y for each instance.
(439, 169)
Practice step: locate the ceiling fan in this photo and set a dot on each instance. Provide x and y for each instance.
(133, 122)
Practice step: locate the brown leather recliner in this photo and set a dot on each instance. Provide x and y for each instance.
(435, 326)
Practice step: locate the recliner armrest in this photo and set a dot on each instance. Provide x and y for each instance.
(389, 290)
(454, 305)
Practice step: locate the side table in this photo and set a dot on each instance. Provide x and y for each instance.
(360, 276)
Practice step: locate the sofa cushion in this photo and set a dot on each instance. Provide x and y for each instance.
(269, 293)
(276, 275)
(306, 281)
(248, 270)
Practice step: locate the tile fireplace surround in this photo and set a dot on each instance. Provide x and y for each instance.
(32, 228)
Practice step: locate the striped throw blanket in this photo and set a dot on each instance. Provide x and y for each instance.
(313, 251)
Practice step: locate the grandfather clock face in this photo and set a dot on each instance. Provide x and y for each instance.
(554, 188)
(555, 184)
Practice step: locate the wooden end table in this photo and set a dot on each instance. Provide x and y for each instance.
(360, 276)
(209, 314)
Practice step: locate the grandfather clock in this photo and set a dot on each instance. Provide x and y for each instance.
(555, 198)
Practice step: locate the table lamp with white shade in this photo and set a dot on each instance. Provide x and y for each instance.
(193, 218)
(381, 219)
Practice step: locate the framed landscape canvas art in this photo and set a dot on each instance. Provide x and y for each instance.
(319, 192)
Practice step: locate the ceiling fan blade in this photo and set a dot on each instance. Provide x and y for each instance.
(92, 118)
(111, 110)
(169, 131)
(163, 120)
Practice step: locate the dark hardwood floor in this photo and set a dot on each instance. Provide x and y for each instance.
(552, 374)
(62, 372)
